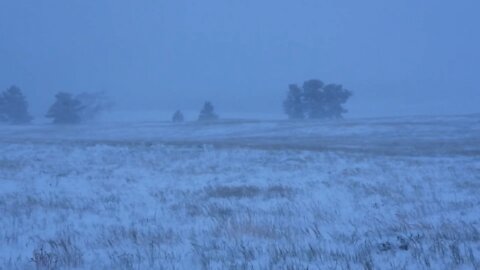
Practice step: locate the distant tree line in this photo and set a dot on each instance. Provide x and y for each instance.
(207, 113)
(67, 108)
(316, 100)
(73, 109)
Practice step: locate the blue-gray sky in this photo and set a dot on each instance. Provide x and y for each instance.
(398, 57)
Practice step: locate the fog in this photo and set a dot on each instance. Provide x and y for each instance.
(214, 134)
(397, 57)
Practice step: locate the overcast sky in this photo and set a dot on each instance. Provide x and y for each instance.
(398, 57)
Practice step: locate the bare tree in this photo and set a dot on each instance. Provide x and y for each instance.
(93, 104)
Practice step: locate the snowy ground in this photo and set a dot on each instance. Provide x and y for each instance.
(397, 193)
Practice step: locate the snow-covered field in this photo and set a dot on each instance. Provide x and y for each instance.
(399, 193)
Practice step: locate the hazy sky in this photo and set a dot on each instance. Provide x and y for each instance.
(398, 57)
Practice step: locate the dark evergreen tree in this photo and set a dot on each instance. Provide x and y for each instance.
(14, 107)
(178, 117)
(313, 99)
(334, 98)
(66, 109)
(207, 113)
(293, 105)
(316, 100)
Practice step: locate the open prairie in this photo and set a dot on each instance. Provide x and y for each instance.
(387, 193)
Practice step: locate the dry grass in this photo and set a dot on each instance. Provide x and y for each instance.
(172, 207)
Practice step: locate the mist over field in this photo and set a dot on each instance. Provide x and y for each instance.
(239, 134)
(402, 58)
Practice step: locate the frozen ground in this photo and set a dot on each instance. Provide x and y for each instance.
(397, 193)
